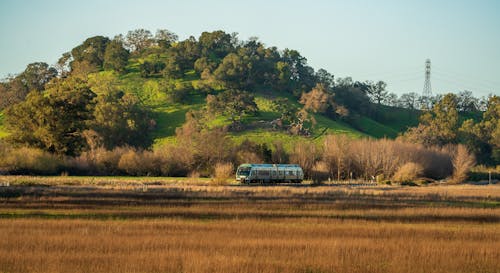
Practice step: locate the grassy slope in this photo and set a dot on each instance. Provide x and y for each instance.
(170, 116)
(3, 131)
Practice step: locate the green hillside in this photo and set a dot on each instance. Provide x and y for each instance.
(169, 116)
(168, 80)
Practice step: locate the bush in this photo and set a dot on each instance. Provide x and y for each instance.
(222, 173)
(463, 161)
(320, 172)
(408, 172)
(26, 160)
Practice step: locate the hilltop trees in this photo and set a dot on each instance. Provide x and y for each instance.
(53, 121)
(33, 78)
(115, 56)
(91, 51)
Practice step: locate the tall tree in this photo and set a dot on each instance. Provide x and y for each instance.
(439, 126)
(120, 120)
(138, 40)
(165, 38)
(377, 92)
(91, 50)
(215, 44)
(318, 99)
(115, 56)
(55, 120)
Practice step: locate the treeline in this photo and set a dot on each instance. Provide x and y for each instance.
(336, 158)
(442, 125)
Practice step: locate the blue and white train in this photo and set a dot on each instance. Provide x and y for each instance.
(269, 173)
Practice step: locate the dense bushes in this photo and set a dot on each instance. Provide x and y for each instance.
(369, 158)
(336, 158)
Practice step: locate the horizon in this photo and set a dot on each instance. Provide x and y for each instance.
(387, 40)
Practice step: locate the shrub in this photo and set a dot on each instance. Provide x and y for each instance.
(26, 160)
(408, 172)
(222, 173)
(320, 172)
(463, 161)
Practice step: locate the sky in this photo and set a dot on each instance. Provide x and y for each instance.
(366, 40)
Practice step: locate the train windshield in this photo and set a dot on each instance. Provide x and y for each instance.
(243, 171)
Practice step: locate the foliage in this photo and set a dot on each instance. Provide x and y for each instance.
(232, 103)
(223, 172)
(33, 78)
(138, 40)
(408, 172)
(53, 121)
(463, 161)
(317, 100)
(149, 69)
(120, 120)
(439, 126)
(91, 51)
(115, 56)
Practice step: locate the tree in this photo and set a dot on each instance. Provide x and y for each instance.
(377, 92)
(91, 50)
(233, 103)
(439, 126)
(325, 78)
(115, 56)
(138, 40)
(216, 43)
(317, 100)
(181, 58)
(391, 99)
(120, 120)
(483, 138)
(286, 109)
(165, 38)
(33, 78)
(466, 102)
(149, 69)
(53, 121)
(36, 75)
(409, 100)
(233, 71)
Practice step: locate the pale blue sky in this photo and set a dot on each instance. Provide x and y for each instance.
(367, 40)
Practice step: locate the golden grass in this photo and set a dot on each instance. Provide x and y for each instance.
(250, 245)
(185, 228)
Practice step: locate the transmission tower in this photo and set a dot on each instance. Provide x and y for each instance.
(427, 84)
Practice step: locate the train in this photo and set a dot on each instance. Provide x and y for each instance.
(269, 173)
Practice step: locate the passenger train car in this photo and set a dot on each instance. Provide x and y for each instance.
(269, 173)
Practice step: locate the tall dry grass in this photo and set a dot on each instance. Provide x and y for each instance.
(223, 173)
(249, 245)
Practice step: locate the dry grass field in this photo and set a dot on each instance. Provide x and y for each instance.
(175, 227)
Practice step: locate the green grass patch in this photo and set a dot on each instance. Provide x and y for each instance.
(373, 128)
(3, 131)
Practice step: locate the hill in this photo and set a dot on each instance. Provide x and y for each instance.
(171, 78)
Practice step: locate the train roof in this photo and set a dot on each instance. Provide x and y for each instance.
(270, 165)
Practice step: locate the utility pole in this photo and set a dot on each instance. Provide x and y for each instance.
(427, 92)
(427, 83)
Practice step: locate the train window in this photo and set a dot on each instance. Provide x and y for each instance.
(291, 173)
(264, 173)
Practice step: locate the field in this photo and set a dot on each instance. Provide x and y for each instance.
(67, 224)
